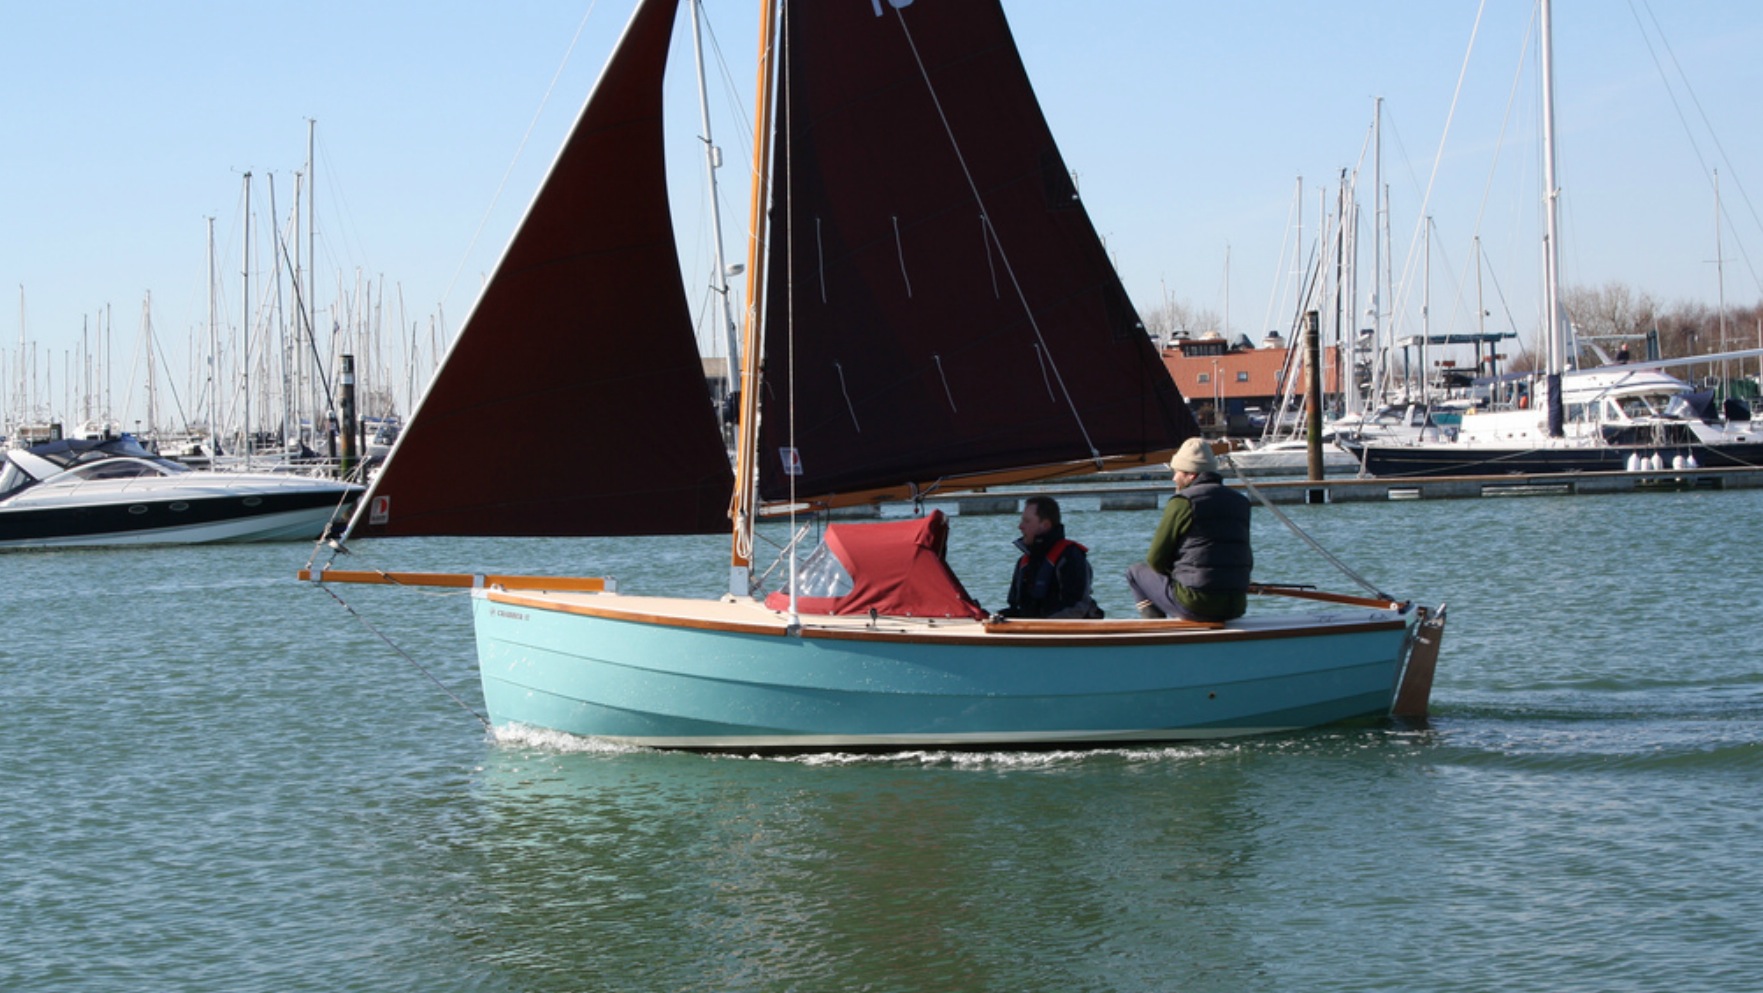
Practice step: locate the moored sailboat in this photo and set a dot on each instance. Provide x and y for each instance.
(938, 314)
(1607, 419)
(1613, 418)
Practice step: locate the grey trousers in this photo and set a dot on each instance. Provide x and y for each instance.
(1151, 588)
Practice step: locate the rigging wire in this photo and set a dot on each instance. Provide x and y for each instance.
(1294, 218)
(1512, 96)
(520, 149)
(1688, 133)
(1280, 515)
(402, 653)
(1401, 301)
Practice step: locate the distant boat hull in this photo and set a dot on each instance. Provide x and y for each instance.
(1446, 459)
(1290, 458)
(232, 508)
(730, 675)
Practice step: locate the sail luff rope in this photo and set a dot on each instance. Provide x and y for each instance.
(992, 236)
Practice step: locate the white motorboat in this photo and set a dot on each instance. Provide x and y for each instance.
(114, 492)
(1616, 418)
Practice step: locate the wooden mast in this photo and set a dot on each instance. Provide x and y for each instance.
(742, 507)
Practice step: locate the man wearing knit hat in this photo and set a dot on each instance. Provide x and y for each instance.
(1199, 562)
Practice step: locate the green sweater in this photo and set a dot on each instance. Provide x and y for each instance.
(1178, 517)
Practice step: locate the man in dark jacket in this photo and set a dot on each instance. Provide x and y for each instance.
(1052, 578)
(1199, 561)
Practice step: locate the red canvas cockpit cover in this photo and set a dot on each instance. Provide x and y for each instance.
(896, 568)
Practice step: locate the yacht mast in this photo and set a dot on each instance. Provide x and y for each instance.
(245, 324)
(317, 390)
(1343, 294)
(1425, 317)
(1557, 345)
(713, 162)
(213, 351)
(1377, 214)
(152, 384)
(1720, 282)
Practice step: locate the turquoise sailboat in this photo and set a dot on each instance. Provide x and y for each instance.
(930, 309)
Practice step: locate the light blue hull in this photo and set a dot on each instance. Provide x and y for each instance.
(707, 683)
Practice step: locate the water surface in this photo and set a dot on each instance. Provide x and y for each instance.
(218, 778)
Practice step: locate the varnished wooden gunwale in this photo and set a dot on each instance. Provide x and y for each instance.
(895, 630)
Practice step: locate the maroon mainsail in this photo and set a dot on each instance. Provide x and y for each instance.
(576, 375)
(951, 311)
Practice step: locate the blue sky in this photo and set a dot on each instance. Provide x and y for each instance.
(1189, 124)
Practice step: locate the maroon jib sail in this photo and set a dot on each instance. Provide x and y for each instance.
(576, 375)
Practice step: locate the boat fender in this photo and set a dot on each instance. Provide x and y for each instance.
(1634, 462)
(1678, 463)
(1689, 461)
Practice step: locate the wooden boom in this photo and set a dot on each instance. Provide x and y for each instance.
(459, 580)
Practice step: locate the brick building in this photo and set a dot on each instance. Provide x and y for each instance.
(1226, 382)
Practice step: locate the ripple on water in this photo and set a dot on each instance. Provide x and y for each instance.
(217, 779)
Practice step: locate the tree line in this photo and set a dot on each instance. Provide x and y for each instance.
(1608, 315)
(1615, 312)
